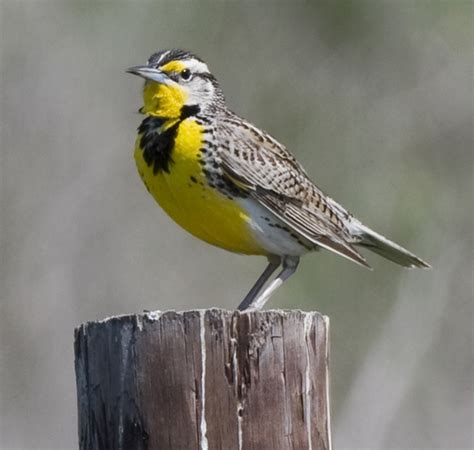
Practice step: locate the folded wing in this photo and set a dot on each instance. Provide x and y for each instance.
(269, 174)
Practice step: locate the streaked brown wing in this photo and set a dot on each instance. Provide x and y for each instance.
(271, 175)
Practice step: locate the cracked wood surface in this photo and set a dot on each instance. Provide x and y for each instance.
(264, 376)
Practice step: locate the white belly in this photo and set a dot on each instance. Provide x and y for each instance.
(272, 234)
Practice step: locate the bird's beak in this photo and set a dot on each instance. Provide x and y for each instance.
(150, 73)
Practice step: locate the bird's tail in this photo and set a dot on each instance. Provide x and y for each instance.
(390, 250)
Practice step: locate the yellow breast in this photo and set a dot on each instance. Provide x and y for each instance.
(186, 197)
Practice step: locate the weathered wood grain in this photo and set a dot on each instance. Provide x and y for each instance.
(210, 379)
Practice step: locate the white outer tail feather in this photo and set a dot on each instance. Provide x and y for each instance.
(384, 247)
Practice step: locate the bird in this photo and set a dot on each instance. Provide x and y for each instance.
(232, 184)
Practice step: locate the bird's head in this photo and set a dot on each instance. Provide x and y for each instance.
(177, 85)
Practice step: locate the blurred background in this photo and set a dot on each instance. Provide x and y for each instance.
(375, 98)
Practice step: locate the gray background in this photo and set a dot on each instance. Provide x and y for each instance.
(374, 98)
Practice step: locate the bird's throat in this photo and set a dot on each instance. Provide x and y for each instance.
(164, 101)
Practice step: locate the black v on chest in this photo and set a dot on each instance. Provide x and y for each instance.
(157, 144)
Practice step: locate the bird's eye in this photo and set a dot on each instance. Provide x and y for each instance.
(186, 74)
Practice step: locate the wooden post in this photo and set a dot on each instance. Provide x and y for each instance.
(209, 379)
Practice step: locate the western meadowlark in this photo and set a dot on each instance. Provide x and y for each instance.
(233, 185)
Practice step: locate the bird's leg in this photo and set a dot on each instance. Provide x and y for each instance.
(290, 263)
(273, 264)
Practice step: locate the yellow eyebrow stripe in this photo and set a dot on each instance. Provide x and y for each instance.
(173, 66)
